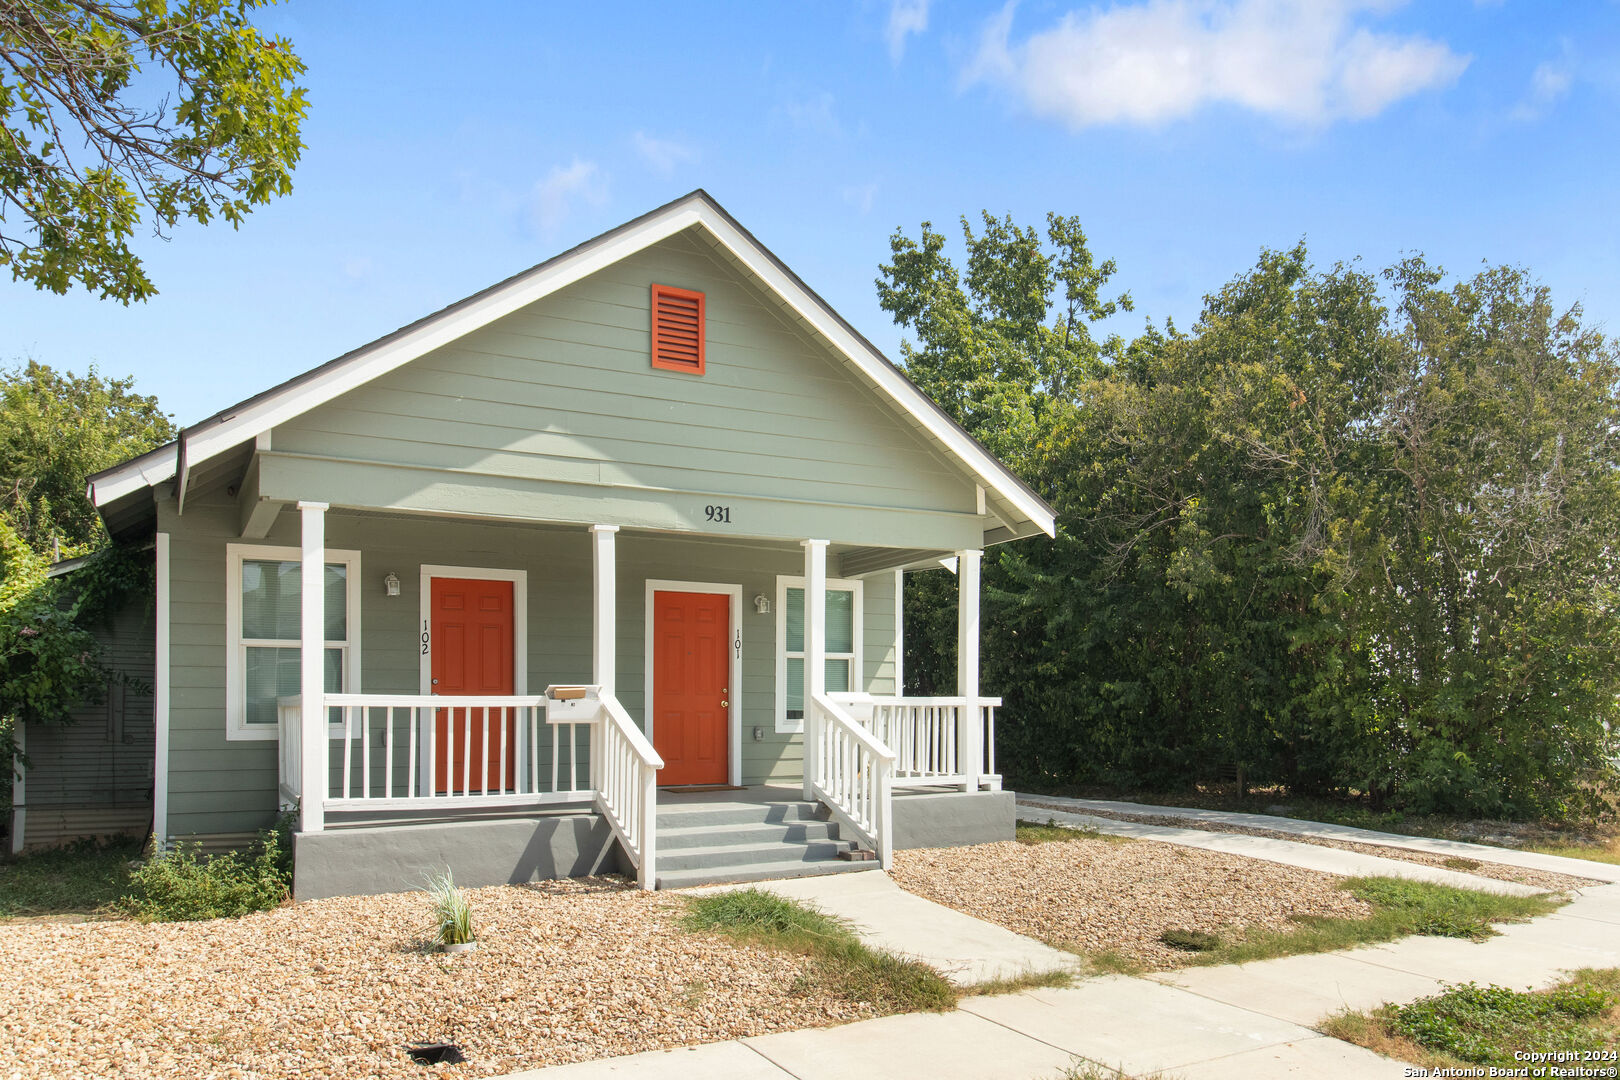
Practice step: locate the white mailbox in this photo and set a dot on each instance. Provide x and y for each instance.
(571, 704)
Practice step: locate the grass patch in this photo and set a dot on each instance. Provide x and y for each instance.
(84, 879)
(1113, 962)
(1400, 908)
(1470, 1024)
(1090, 1070)
(1603, 853)
(839, 963)
(1455, 863)
(1030, 832)
(1034, 980)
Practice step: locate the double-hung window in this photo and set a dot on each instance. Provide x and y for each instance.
(843, 645)
(264, 618)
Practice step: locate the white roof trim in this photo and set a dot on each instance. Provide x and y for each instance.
(258, 416)
(148, 470)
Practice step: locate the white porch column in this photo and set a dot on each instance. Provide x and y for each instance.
(815, 650)
(899, 632)
(969, 725)
(312, 667)
(604, 609)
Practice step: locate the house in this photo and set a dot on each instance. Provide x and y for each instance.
(599, 566)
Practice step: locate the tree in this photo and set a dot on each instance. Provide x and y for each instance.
(1346, 535)
(56, 429)
(89, 141)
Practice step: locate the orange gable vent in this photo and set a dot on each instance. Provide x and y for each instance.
(677, 329)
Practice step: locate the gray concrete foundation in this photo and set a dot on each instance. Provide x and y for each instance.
(504, 851)
(953, 819)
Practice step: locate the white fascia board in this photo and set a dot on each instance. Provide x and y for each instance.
(373, 363)
(986, 469)
(132, 476)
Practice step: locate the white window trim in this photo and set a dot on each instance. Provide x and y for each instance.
(237, 729)
(857, 665)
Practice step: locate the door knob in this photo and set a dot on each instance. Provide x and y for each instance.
(724, 694)
(435, 682)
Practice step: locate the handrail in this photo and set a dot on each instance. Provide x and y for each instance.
(624, 773)
(854, 775)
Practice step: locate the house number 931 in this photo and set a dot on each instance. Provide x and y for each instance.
(720, 515)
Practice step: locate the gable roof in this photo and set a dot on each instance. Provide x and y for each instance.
(1024, 511)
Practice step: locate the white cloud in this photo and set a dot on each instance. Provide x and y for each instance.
(815, 114)
(861, 196)
(1301, 61)
(556, 196)
(906, 17)
(664, 155)
(1548, 83)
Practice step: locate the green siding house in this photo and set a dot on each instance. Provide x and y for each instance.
(602, 562)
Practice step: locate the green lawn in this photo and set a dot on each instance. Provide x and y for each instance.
(80, 880)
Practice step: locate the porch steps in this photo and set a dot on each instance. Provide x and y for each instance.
(714, 841)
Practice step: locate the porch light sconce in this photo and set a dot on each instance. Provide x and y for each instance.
(391, 584)
(762, 606)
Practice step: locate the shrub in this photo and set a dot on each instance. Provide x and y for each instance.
(1488, 1024)
(184, 884)
(452, 912)
(1190, 940)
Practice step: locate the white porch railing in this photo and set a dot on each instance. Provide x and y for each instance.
(926, 735)
(624, 769)
(853, 774)
(417, 752)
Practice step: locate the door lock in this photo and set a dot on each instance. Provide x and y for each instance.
(724, 694)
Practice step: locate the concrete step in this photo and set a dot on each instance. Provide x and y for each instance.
(739, 855)
(682, 815)
(693, 836)
(685, 879)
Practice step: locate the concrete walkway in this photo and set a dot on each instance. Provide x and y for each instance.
(1529, 860)
(1218, 1023)
(1288, 852)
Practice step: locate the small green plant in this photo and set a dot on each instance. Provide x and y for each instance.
(185, 884)
(1190, 940)
(1487, 1025)
(840, 963)
(452, 911)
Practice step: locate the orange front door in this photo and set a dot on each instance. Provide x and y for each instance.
(472, 643)
(691, 698)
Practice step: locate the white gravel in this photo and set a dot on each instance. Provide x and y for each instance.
(565, 971)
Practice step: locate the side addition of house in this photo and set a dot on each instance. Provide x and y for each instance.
(603, 562)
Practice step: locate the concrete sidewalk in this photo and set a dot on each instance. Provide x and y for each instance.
(1218, 1023)
(1529, 860)
(1249, 1020)
(1288, 852)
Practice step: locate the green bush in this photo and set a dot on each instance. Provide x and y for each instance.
(184, 884)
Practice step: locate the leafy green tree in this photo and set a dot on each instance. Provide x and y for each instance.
(56, 428)
(1347, 535)
(90, 142)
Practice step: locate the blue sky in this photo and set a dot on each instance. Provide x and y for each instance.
(446, 152)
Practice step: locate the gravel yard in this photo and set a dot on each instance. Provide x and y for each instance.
(1096, 896)
(564, 971)
(1537, 879)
